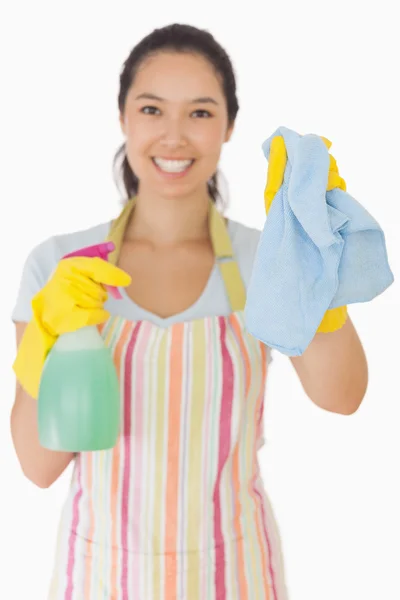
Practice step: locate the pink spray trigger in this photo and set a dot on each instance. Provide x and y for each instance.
(100, 251)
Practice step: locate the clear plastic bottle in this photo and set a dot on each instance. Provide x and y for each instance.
(79, 396)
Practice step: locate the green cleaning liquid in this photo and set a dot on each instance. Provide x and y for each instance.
(79, 398)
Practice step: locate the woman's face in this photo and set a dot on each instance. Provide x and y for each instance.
(175, 123)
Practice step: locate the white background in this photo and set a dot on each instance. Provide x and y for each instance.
(317, 67)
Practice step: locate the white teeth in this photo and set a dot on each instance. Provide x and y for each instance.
(172, 166)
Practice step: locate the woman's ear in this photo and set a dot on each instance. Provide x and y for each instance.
(229, 132)
(122, 123)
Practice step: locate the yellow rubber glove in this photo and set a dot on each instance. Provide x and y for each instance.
(72, 298)
(334, 318)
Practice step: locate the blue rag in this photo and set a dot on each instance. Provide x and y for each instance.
(318, 250)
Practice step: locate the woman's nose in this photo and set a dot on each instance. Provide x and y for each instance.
(174, 134)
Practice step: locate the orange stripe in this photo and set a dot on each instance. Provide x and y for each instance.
(174, 415)
(260, 526)
(116, 459)
(89, 553)
(236, 470)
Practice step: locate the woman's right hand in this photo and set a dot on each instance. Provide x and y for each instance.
(73, 297)
(75, 294)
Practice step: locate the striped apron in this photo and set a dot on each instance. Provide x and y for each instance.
(177, 509)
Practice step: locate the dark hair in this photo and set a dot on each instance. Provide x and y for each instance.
(182, 39)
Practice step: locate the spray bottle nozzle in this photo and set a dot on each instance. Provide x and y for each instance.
(101, 250)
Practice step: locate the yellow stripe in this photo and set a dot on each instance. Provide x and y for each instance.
(193, 509)
(159, 458)
(115, 322)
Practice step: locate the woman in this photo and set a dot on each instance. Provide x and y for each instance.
(177, 508)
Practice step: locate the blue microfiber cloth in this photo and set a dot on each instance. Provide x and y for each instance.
(318, 250)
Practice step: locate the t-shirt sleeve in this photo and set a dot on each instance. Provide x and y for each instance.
(42, 261)
(34, 276)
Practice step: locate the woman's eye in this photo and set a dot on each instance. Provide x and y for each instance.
(150, 110)
(202, 113)
(153, 110)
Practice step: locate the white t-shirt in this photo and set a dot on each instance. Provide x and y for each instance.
(43, 259)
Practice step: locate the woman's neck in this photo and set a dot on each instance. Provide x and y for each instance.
(168, 221)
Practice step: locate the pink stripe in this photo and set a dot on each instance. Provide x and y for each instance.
(271, 570)
(72, 538)
(264, 517)
(224, 445)
(127, 460)
(138, 454)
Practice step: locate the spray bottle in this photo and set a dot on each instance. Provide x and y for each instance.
(79, 397)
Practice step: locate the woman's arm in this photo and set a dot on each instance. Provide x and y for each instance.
(333, 370)
(42, 467)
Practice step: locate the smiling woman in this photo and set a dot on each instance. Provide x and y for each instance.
(177, 509)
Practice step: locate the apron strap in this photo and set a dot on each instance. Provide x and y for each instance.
(227, 264)
(117, 231)
(222, 247)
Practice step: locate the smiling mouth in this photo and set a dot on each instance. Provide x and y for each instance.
(173, 166)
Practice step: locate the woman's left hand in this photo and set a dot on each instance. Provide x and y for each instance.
(334, 318)
(277, 165)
